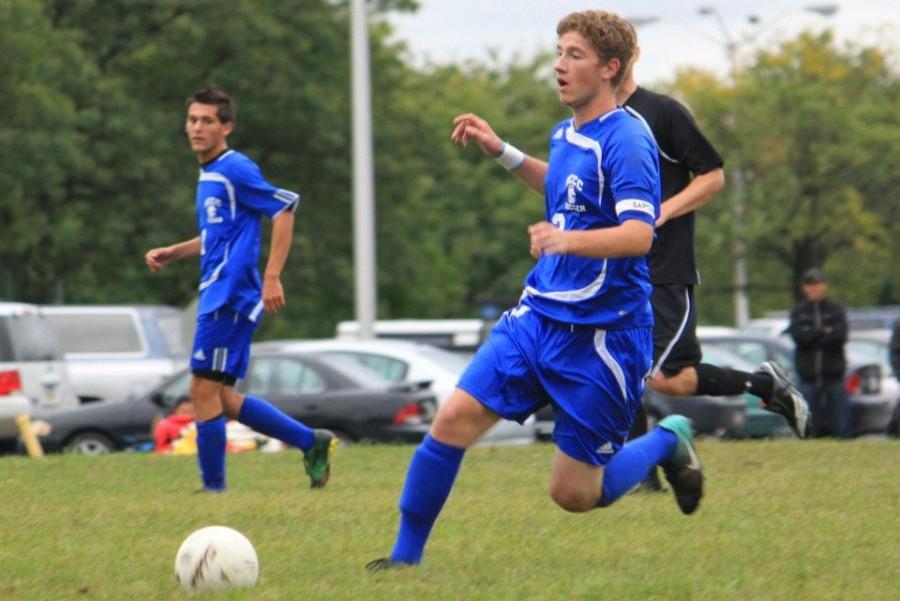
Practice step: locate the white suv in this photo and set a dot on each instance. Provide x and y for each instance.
(32, 370)
(117, 352)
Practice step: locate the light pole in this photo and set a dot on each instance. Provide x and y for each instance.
(363, 175)
(730, 44)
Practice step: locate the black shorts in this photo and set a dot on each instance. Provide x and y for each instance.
(675, 344)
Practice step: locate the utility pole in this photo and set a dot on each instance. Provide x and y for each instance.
(365, 275)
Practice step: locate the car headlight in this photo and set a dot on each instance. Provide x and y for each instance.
(41, 428)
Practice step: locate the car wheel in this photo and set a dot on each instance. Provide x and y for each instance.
(90, 443)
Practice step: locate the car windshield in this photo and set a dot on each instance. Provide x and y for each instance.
(354, 371)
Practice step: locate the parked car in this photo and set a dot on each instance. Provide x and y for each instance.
(871, 408)
(712, 416)
(874, 346)
(402, 360)
(321, 391)
(116, 352)
(32, 370)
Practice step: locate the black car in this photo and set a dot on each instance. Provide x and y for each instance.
(709, 415)
(321, 391)
(871, 407)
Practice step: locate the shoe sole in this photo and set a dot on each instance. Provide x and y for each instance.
(332, 449)
(801, 409)
(689, 488)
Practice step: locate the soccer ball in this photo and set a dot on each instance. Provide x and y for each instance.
(216, 558)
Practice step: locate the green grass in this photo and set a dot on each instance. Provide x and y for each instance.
(781, 520)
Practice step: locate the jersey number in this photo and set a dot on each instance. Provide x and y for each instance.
(559, 220)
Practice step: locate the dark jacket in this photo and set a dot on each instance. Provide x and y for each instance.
(819, 331)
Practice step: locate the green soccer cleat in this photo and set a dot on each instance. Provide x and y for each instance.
(317, 460)
(683, 470)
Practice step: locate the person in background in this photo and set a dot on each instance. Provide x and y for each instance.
(818, 326)
(170, 429)
(691, 173)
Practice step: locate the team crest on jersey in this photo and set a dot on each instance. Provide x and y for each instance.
(574, 185)
(212, 205)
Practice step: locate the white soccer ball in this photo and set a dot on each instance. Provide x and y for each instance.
(216, 558)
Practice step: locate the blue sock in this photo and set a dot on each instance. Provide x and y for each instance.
(629, 467)
(428, 482)
(267, 419)
(211, 452)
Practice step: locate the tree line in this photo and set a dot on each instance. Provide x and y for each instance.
(94, 167)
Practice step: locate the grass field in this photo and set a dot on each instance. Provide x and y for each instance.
(781, 520)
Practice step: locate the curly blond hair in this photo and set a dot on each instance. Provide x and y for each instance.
(609, 34)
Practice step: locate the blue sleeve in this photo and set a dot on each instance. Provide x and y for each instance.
(255, 193)
(633, 168)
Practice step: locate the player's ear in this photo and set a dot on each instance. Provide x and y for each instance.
(228, 127)
(611, 67)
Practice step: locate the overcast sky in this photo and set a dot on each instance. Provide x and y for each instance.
(454, 30)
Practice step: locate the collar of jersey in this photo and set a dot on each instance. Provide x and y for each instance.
(214, 159)
(599, 119)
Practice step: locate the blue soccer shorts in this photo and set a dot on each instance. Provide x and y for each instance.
(593, 378)
(222, 343)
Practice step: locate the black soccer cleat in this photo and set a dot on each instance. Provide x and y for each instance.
(386, 563)
(683, 470)
(786, 400)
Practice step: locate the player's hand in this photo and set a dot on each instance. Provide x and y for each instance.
(547, 239)
(469, 126)
(157, 258)
(273, 295)
(664, 214)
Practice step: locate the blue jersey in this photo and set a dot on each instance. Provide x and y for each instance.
(232, 196)
(598, 176)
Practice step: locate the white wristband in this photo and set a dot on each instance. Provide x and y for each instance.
(511, 157)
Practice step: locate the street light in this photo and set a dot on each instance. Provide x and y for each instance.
(741, 301)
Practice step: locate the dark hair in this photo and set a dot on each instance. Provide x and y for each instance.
(226, 110)
(609, 34)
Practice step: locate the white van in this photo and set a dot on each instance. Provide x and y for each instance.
(116, 352)
(32, 370)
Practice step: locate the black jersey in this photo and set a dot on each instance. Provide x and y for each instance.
(683, 152)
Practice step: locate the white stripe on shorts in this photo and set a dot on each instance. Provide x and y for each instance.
(684, 320)
(609, 360)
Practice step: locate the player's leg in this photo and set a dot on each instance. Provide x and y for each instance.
(460, 422)
(495, 381)
(206, 396)
(261, 416)
(678, 370)
(597, 379)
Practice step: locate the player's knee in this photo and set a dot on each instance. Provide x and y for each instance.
(450, 427)
(572, 499)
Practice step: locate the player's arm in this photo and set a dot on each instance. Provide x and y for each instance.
(631, 238)
(280, 246)
(468, 126)
(158, 258)
(697, 193)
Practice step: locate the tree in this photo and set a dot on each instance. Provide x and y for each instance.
(812, 127)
